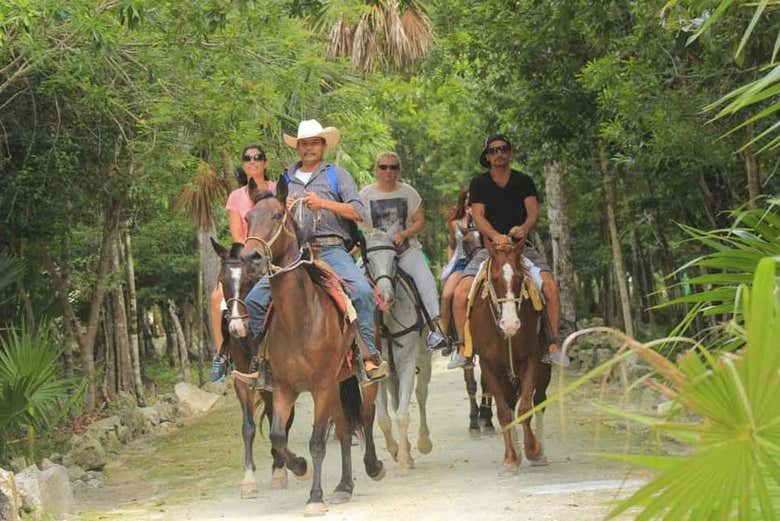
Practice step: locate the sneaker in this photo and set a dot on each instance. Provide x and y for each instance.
(436, 341)
(558, 358)
(458, 361)
(218, 369)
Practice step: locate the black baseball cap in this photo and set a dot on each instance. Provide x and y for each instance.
(495, 137)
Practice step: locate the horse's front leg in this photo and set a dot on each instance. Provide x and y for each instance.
(533, 447)
(374, 467)
(505, 411)
(246, 399)
(326, 402)
(284, 399)
(405, 388)
(278, 470)
(424, 444)
(383, 418)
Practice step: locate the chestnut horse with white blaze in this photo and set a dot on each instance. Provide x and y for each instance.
(508, 325)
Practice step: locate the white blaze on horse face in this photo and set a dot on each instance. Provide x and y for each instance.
(237, 326)
(509, 322)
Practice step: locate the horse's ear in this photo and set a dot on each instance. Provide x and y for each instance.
(282, 190)
(219, 249)
(252, 187)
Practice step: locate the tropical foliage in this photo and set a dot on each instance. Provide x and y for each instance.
(33, 395)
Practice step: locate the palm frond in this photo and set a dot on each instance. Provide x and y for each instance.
(199, 196)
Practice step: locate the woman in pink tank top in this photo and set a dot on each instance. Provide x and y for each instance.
(253, 166)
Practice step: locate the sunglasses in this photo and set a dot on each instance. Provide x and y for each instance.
(389, 167)
(255, 157)
(496, 150)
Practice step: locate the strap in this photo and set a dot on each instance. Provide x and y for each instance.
(330, 172)
(418, 298)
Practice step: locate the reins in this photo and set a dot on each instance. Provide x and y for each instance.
(273, 269)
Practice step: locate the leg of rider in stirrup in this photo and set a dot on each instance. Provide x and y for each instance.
(413, 263)
(542, 274)
(257, 302)
(219, 363)
(362, 297)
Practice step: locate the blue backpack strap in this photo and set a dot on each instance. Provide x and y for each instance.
(330, 171)
(286, 176)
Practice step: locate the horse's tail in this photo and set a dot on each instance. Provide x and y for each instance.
(351, 403)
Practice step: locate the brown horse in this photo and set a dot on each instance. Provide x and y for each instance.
(508, 327)
(308, 348)
(240, 350)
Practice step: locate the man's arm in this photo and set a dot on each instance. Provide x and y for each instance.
(418, 223)
(484, 227)
(345, 210)
(532, 211)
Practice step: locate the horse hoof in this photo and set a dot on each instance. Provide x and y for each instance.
(393, 451)
(488, 429)
(279, 479)
(341, 496)
(541, 461)
(314, 510)
(248, 490)
(508, 470)
(379, 475)
(424, 445)
(306, 474)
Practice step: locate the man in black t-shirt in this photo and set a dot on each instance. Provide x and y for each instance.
(505, 206)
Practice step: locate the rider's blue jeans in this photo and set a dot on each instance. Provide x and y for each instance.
(359, 290)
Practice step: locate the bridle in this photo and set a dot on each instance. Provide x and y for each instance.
(266, 245)
(381, 247)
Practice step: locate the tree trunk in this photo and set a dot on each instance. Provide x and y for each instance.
(617, 252)
(563, 265)
(121, 340)
(86, 336)
(132, 314)
(184, 359)
(753, 178)
(208, 272)
(110, 374)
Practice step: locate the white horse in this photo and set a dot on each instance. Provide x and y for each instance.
(400, 338)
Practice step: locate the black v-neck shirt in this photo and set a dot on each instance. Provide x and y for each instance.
(504, 207)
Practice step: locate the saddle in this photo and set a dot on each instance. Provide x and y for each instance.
(483, 288)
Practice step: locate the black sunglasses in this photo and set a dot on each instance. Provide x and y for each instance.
(256, 157)
(389, 167)
(496, 150)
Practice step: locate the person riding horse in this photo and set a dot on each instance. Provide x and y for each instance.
(253, 166)
(396, 208)
(504, 205)
(330, 193)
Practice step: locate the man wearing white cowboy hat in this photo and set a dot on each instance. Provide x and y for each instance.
(331, 192)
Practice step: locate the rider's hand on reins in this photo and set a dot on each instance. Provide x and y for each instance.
(502, 240)
(518, 233)
(314, 201)
(398, 239)
(291, 202)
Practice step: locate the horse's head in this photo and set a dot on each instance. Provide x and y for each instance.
(270, 231)
(380, 263)
(506, 274)
(235, 286)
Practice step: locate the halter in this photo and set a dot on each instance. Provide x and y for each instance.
(240, 301)
(495, 307)
(381, 247)
(273, 269)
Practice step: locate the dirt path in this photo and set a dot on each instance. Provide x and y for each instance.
(193, 471)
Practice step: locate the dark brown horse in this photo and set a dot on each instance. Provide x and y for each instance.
(308, 348)
(508, 327)
(240, 350)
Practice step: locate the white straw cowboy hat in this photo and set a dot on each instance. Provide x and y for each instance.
(312, 128)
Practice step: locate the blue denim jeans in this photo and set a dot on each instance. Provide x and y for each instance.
(359, 290)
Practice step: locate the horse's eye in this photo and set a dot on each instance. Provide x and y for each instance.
(278, 216)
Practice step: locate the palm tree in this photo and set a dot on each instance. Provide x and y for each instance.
(388, 33)
(196, 202)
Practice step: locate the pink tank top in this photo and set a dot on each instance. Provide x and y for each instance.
(240, 202)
